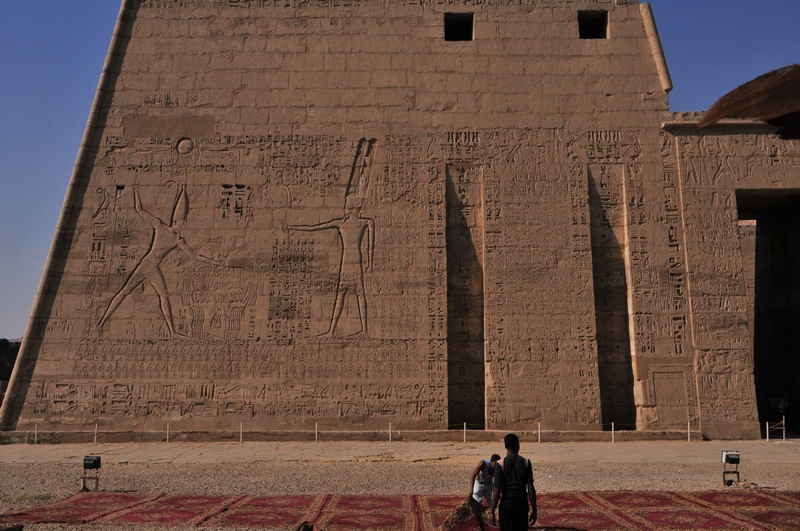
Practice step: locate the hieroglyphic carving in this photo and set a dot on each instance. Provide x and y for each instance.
(714, 165)
(676, 268)
(660, 295)
(528, 361)
(747, 239)
(671, 396)
(235, 204)
(166, 238)
(290, 284)
(352, 229)
(216, 299)
(202, 379)
(290, 289)
(607, 146)
(743, 159)
(437, 258)
(97, 265)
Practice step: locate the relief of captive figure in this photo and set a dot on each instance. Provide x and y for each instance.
(166, 238)
(352, 228)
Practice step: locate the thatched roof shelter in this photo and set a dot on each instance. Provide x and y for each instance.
(773, 98)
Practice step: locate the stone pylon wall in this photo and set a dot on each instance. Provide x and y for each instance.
(297, 212)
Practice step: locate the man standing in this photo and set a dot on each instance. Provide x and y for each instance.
(513, 488)
(481, 480)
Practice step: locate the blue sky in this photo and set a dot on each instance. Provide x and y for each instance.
(52, 51)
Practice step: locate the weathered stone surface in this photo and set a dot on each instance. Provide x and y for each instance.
(321, 211)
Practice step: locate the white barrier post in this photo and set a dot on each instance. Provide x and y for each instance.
(465, 432)
(540, 433)
(767, 431)
(167, 432)
(613, 436)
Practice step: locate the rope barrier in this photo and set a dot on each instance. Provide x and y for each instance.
(391, 432)
(777, 426)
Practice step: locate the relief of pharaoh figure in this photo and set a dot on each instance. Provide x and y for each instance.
(166, 238)
(352, 229)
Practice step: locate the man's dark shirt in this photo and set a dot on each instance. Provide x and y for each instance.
(514, 476)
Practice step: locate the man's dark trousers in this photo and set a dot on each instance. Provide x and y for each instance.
(514, 514)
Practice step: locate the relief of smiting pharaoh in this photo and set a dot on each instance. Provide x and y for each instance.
(166, 238)
(352, 228)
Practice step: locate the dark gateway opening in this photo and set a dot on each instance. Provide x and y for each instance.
(8, 355)
(769, 230)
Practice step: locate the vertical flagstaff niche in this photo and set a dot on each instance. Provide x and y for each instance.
(465, 345)
(607, 210)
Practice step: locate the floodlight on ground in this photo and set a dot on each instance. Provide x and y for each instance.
(730, 467)
(91, 463)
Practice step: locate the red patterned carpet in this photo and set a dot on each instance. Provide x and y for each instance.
(565, 511)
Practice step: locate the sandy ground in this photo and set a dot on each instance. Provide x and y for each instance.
(33, 475)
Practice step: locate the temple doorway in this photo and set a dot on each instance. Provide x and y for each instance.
(769, 231)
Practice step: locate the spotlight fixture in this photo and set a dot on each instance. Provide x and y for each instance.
(91, 462)
(730, 467)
